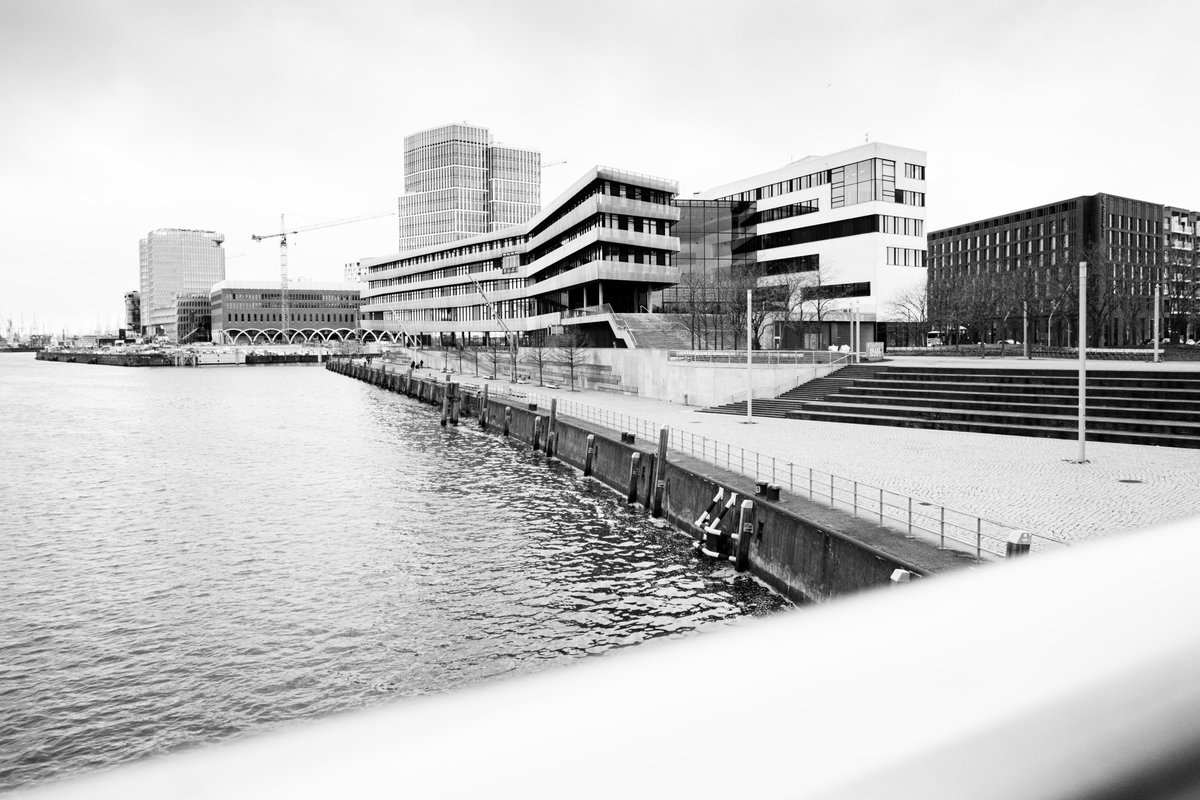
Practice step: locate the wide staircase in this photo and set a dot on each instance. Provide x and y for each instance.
(1130, 406)
(654, 331)
(794, 399)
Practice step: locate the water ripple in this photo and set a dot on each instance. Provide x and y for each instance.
(193, 555)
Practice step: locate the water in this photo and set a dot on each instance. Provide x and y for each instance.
(189, 555)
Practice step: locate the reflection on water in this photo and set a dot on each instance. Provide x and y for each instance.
(193, 554)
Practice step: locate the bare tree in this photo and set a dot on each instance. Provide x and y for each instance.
(571, 351)
(539, 353)
(911, 306)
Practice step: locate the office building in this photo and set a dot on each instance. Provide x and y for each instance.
(824, 237)
(354, 272)
(1015, 276)
(458, 183)
(250, 312)
(178, 269)
(599, 251)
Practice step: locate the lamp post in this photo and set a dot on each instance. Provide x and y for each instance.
(749, 359)
(1082, 362)
(1157, 319)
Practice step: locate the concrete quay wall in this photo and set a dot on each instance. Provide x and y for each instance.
(804, 551)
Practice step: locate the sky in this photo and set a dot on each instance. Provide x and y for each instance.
(120, 117)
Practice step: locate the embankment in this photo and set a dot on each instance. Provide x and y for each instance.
(803, 550)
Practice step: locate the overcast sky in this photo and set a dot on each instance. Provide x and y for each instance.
(123, 117)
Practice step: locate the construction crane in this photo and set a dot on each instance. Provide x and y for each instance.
(283, 269)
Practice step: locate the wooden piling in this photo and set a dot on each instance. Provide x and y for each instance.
(660, 473)
(635, 469)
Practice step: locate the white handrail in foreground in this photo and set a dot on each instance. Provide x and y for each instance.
(1083, 685)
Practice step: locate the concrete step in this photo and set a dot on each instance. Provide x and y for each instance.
(1010, 429)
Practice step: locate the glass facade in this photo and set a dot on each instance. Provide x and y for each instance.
(458, 184)
(715, 238)
(176, 267)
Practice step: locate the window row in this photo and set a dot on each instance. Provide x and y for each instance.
(905, 257)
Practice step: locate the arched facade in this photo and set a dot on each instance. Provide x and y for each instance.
(269, 336)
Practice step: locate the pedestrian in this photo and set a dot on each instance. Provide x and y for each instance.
(421, 365)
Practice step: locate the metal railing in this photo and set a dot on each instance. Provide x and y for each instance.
(811, 357)
(912, 516)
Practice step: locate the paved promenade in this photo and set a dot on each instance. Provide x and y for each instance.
(1023, 482)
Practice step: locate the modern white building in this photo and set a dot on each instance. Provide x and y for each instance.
(592, 257)
(459, 183)
(178, 268)
(851, 225)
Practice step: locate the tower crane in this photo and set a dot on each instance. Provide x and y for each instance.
(283, 270)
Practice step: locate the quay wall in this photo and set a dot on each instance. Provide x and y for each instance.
(109, 359)
(804, 551)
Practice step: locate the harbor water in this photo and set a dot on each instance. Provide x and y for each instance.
(193, 555)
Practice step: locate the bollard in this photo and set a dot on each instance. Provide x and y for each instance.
(760, 488)
(772, 492)
(1018, 543)
(537, 432)
(455, 402)
(660, 473)
(507, 419)
(589, 454)
(635, 467)
(900, 576)
(483, 409)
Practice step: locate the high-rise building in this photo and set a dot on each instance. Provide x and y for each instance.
(457, 184)
(178, 270)
(1015, 276)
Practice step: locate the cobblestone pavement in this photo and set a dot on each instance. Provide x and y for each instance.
(1023, 482)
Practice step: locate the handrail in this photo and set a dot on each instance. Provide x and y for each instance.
(903, 693)
(978, 536)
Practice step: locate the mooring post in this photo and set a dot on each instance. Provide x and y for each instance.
(537, 431)
(507, 419)
(1018, 543)
(660, 473)
(741, 553)
(589, 454)
(445, 404)
(483, 409)
(635, 467)
(408, 383)
(455, 402)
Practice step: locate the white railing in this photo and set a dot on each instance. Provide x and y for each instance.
(1071, 675)
(910, 515)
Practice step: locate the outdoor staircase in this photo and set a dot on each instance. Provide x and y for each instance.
(794, 399)
(654, 331)
(1130, 406)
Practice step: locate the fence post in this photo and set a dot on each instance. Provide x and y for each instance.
(910, 516)
(881, 506)
(831, 490)
(978, 539)
(942, 525)
(855, 501)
